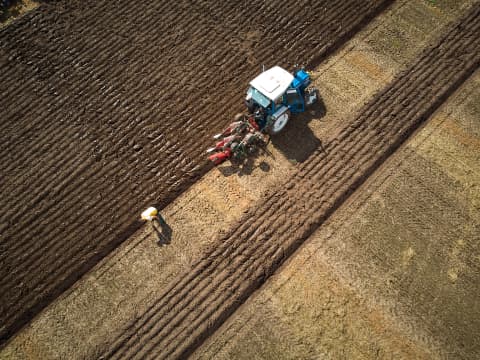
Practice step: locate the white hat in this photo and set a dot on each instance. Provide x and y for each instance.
(149, 214)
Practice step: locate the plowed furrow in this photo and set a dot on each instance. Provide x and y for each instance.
(83, 81)
(14, 210)
(220, 281)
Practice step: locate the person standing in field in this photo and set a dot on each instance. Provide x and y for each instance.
(151, 214)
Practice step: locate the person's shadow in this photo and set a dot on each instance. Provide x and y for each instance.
(163, 232)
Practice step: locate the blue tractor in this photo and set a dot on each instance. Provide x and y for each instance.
(275, 94)
(272, 97)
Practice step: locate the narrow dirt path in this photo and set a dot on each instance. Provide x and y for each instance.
(243, 259)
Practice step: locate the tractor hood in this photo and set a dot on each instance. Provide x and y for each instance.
(273, 83)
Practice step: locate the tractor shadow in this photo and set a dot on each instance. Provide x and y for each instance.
(297, 141)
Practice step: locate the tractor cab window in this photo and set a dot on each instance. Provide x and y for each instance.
(258, 97)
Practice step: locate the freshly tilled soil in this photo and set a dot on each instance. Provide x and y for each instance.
(195, 305)
(108, 107)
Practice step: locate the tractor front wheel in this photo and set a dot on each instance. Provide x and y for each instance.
(311, 95)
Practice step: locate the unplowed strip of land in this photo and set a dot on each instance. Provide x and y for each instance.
(108, 107)
(196, 304)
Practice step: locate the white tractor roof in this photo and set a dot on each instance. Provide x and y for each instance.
(273, 82)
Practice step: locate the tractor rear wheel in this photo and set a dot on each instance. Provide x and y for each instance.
(279, 123)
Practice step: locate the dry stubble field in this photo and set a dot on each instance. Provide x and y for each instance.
(452, 56)
(111, 112)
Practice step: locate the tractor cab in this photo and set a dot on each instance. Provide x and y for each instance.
(274, 95)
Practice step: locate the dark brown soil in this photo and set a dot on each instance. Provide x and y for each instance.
(107, 107)
(197, 303)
